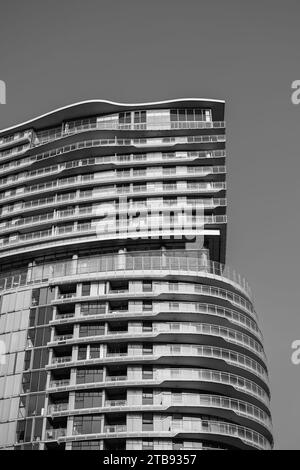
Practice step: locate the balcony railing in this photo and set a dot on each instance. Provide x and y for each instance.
(182, 374)
(245, 434)
(69, 295)
(212, 352)
(188, 262)
(127, 159)
(55, 169)
(15, 138)
(112, 178)
(116, 428)
(62, 337)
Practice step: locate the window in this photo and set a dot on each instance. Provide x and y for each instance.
(86, 445)
(147, 373)
(147, 397)
(139, 117)
(147, 422)
(82, 352)
(95, 351)
(93, 308)
(87, 424)
(125, 118)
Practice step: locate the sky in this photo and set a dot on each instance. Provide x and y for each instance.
(53, 53)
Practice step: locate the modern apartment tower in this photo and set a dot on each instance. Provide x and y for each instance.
(120, 326)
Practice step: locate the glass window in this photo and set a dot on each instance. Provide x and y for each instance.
(147, 422)
(147, 373)
(147, 306)
(147, 348)
(89, 376)
(147, 444)
(147, 397)
(86, 289)
(147, 326)
(147, 286)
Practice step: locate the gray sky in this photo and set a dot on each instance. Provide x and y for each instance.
(53, 53)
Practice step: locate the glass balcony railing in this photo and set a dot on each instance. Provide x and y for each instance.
(210, 352)
(101, 230)
(54, 434)
(113, 175)
(59, 338)
(15, 224)
(176, 374)
(69, 295)
(59, 383)
(115, 403)
(188, 262)
(61, 360)
(87, 179)
(127, 159)
(71, 198)
(239, 407)
(58, 407)
(14, 151)
(182, 307)
(115, 428)
(58, 133)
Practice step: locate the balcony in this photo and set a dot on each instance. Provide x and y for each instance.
(63, 338)
(56, 134)
(15, 138)
(59, 383)
(58, 407)
(61, 360)
(54, 434)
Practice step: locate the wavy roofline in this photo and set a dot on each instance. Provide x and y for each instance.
(108, 102)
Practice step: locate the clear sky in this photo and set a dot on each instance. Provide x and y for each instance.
(53, 53)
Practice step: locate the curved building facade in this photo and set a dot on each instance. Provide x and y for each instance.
(120, 326)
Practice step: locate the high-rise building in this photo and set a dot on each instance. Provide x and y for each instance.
(120, 326)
